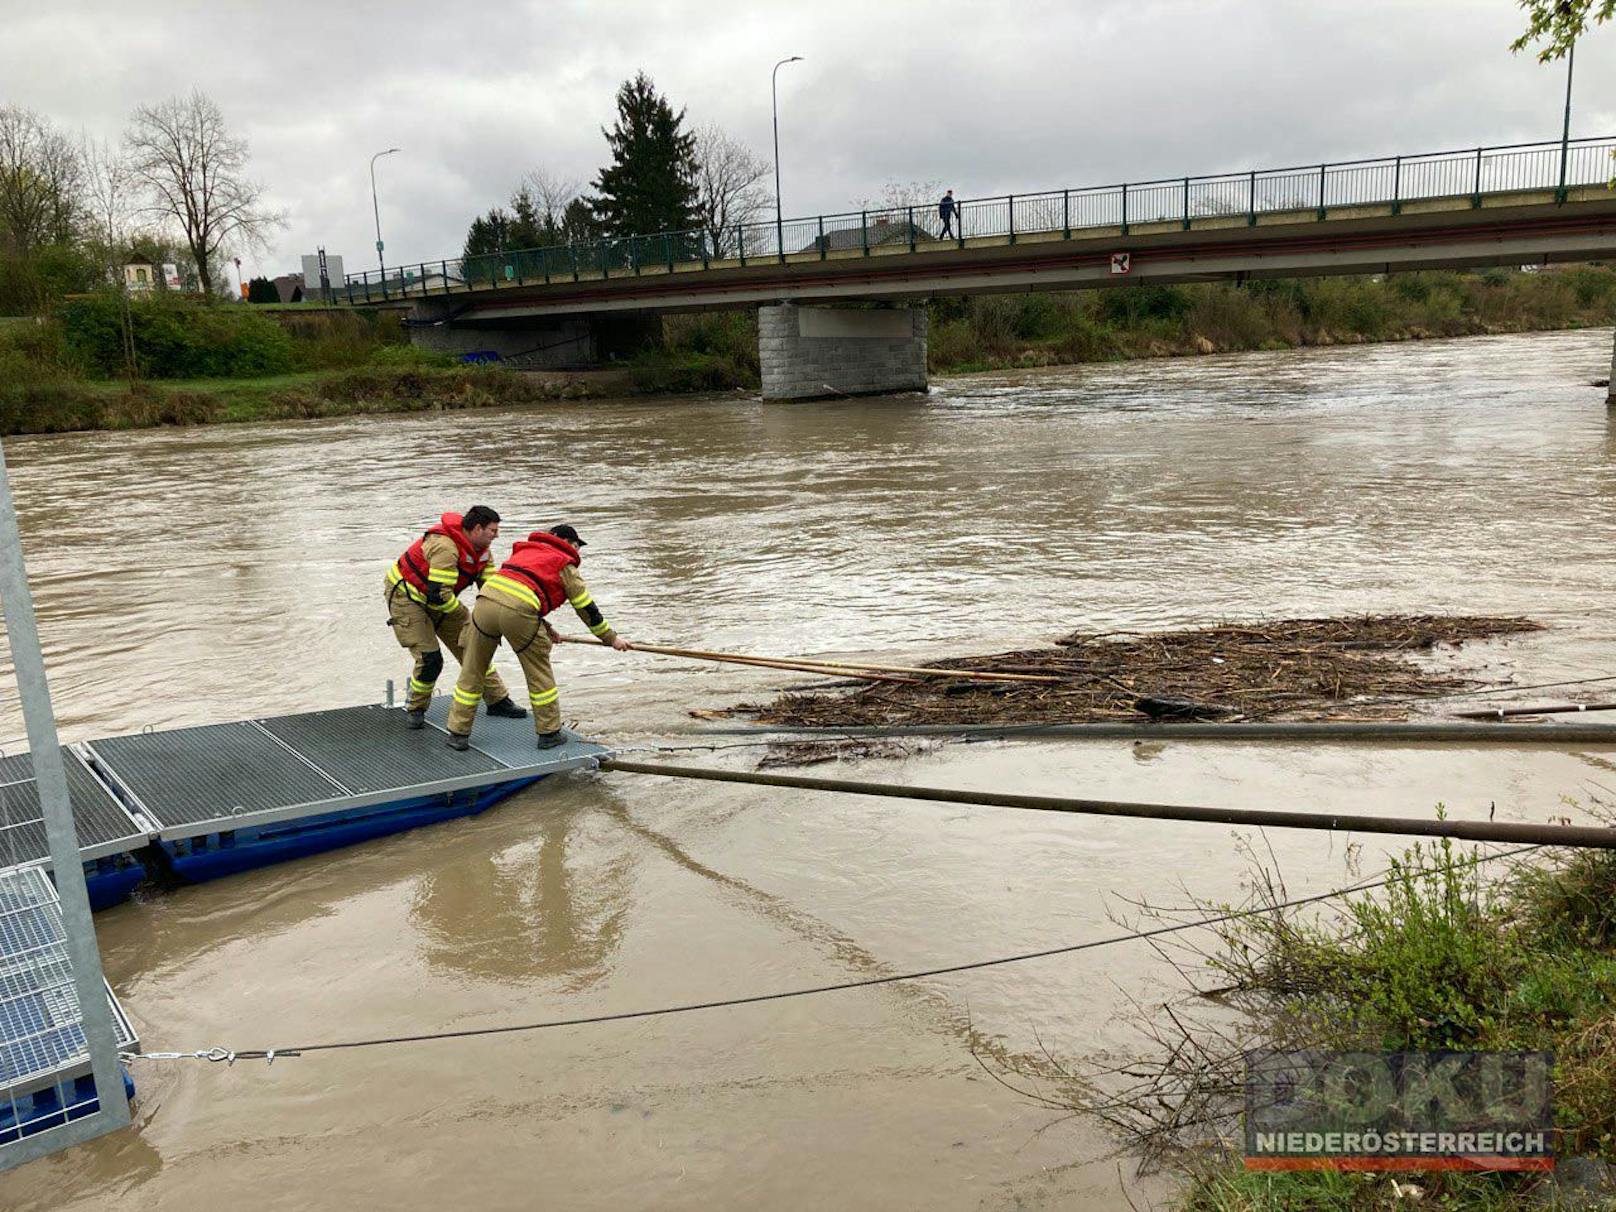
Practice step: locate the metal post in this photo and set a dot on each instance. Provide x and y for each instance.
(1066, 213)
(1011, 208)
(1475, 199)
(1186, 204)
(740, 242)
(50, 781)
(443, 273)
(1565, 131)
(573, 249)
(1252, 199)
(774, 97)
(1397, 186)
(1322, 167)
(376, 211)
(911, 229)
(1124, 208)
(864, 230)
(667, 247)
(822, 249)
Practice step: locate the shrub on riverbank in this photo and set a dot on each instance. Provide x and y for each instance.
(1439, 958)
(173, 338)
(1142, 320)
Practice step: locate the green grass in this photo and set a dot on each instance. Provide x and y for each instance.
(1441, 958)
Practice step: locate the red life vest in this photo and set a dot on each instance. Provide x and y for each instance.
(414, 567)
(535, 566)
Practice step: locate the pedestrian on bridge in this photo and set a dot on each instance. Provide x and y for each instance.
(946, 209)
(540, 574)
(424, 610)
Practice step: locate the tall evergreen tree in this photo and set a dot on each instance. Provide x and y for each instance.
(488, 233)
(650, 185)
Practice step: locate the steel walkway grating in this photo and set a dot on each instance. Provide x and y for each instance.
(513, 742)
(103, 825)
(212, 773)
(41, 1030)
(369, 749)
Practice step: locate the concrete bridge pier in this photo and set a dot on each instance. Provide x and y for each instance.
(1610, 392)
(809, 353)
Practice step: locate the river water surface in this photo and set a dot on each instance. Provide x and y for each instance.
(201, 575)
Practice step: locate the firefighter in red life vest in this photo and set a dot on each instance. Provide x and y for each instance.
(423, 605)
(539, 576)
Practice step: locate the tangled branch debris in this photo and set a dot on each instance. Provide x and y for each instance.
(1294, 669)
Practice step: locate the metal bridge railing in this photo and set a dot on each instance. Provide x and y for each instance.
(1472, 174)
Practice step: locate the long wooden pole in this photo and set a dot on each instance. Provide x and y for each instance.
(857, 669)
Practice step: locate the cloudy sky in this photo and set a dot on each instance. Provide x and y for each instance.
(987, 97)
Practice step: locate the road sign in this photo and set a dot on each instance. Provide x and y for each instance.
(1121, 263)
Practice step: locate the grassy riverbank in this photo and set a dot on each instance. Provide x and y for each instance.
(1450, 954)
(201, 365)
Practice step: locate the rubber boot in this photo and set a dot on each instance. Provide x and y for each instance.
(551, 740)
(508, 710)
(456, 741)
(416, 720)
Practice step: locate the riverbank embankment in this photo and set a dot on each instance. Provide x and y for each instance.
(99, 363)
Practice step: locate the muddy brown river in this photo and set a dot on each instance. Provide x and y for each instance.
(211, 574)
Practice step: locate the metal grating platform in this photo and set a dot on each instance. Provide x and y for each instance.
(369, 748)
(212, 773)
(41, 1032)
(513, 742)
(104, 826)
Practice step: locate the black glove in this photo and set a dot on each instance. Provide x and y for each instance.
(436, 594)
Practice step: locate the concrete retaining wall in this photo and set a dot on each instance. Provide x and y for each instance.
(817, 352)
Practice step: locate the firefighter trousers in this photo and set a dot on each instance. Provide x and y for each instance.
(493, 621)
(422, 631)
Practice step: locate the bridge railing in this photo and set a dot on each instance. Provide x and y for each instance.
(1474, 174)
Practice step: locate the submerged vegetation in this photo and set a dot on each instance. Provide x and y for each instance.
(1449, 949)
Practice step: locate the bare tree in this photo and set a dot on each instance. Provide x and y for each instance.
(40, 178)
(550, 195)
(731, 185)
(109, 187)
(195, 172)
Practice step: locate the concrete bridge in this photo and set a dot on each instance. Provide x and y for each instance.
(1526, 204)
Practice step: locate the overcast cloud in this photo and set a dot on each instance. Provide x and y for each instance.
(989, 98)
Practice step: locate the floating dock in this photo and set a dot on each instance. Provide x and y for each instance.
(192, 804)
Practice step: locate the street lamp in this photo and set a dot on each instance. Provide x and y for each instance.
(1565, 131)
(377, 211)
(774, 93)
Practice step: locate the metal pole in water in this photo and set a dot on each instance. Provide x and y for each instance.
(33, 693)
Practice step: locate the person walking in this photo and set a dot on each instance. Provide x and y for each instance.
(540, 574)
(946, 210)
(425, 612)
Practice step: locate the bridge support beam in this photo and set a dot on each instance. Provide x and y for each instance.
(809, 353)
(532, 342)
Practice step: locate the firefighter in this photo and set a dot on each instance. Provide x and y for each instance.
(424, 608)
(540, 574)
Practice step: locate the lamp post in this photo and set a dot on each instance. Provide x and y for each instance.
(376, 210)
(1565, 131)
(774, 93)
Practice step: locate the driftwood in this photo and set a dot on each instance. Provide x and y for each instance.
(1356, 668)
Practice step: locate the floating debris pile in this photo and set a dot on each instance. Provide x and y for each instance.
(1293, 669)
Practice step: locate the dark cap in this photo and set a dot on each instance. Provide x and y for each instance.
(564, 531)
